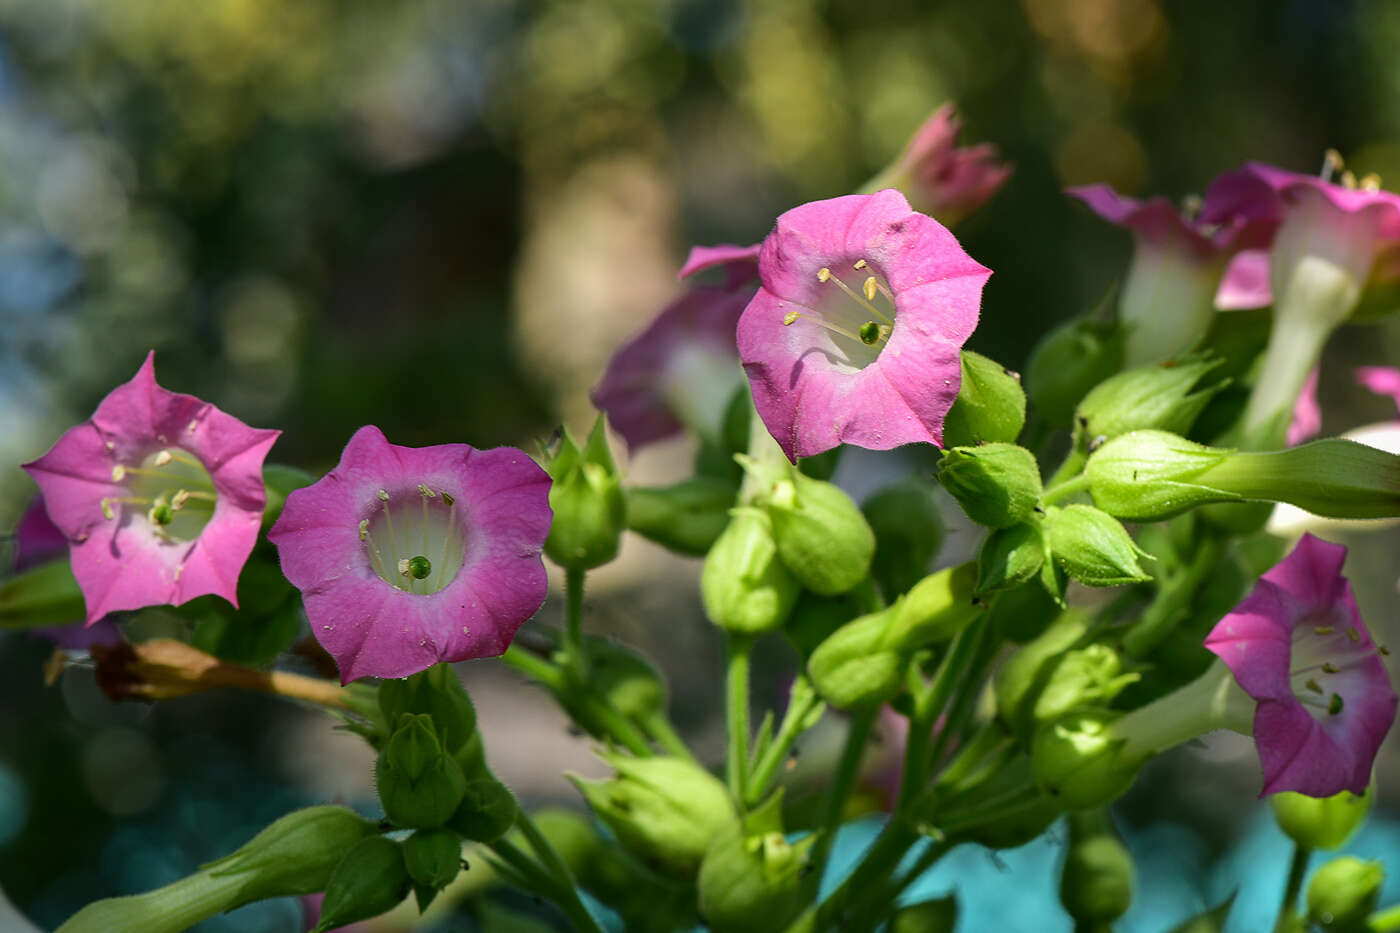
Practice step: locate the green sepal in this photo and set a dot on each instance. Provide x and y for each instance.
(991, 405)
(370, 880)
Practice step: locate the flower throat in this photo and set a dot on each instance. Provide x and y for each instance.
(414, 540)
(860, 320)
(172, 488)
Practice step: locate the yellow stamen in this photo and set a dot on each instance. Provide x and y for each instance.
(1348, 180)
(1323, 630)
(118, 473)
(1354, 635)
(1370, 182)
(162, 458)
(857, 298)
(1330, 668)
(1314, 686)
(1331, 164)
(860, 264)
(792, 316)
(871, 288)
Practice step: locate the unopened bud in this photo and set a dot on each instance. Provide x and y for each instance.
(663, 810)
(1320, 822)
(751, 878)
(686, 517)
(295, 854)
(433, 857)
(998, 485)
(1093, 547)
(1068, 362)
(418, 784)
(590, 512)
(855, 668)
(438, 693)
(1010, 557)
(1146, 476)
(746, 588)
(935, 609)
(487, 811)
(991, 405)
(1162, 397)
(1078, 760)
(1343, 893)
(1096, 885)
(909, 530)
(1018, 682)
(822, 537)
(369, 880)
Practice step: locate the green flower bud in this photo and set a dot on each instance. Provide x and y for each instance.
(433, 857)
(278, 482)
(589, 509)
(855, 668)
(1068, 362)
(419, 785)
(1096, 884)
(751, 878)
(1079, 762)
(487, 811)
(908, 530)
(1082, 678)
(295, 854)
(1320, 822)
(1161, 397)
(998, 485)
(1343, 893)
(936, 916)
(1146, 476)
(369, 880)
(438, 693)
(43, 595)
(1093, 547)
(1018, 683)
(991, 405)
(663, 810)
(822, 537)
(745, 587)
(1010, 557)
(687, 517)
(935, 609)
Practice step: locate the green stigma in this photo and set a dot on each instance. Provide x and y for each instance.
(161, 512)
(869, 333)
(419, 567)
(1334, 706)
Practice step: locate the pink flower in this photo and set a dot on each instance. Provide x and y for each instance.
(939, 178)
(160, 496)
(407, 556)
(683, 368)
(854, 335)
(1297, 645)
(1382, 380)
(1175, 280)
(38, 541)
(1307, 414)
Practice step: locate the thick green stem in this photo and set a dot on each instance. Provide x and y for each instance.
(1384, 921)
(1212, 701)
(574, 656)
(878, 861)
(660, 729)
(1071, 467)
(982, 651)
(1173, 598)
(1297, 871)
(840, 791)
(740, 648)
(1069, 487)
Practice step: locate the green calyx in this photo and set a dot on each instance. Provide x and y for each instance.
(590, 510)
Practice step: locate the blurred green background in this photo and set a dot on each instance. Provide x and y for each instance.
(441, 217)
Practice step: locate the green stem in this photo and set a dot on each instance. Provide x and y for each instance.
(1072, 465)
(918, 758)
(533, 666)
(877, 862)
(1297, 871)
(660, 729)
(1173, 599)
(1063, 490)
(981, 651)
(765, 770)
(740, 649)
(878, 901)
(591, 707)
(570, 902)
(862, 721)
(574, 657)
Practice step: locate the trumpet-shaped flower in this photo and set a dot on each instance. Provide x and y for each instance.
(683, 368)
(160, 496)
(407, 556)
(940, 178)
(856, 331)
(1297, 645)
(1178, 273)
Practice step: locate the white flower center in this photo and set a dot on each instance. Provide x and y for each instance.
(171, 490)
(1325, 647)
(415, 539)
(857, 321)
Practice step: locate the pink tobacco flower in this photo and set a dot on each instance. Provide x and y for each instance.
(160, 496)
(1307, 414)
(1178, 271)
(939, 178)
(1382, 380)
(38, 541)
(683, 368)
(1297, 645)
(407, 556)
(854, 335)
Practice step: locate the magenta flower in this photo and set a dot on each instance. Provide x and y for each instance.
(740, 263)
(407, 556)
(1176, 277)
(160, 496)
(1297, 645)
(38, 541)
(1382, 380)
(854, 335)
(938, 177)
